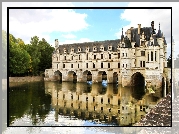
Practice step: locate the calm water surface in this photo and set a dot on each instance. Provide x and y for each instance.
(78, 104)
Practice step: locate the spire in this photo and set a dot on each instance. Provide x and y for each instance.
(159, 34)
(159, 25)
(122, 36)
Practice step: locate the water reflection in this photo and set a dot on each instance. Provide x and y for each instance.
(107, 104)
(78, 104)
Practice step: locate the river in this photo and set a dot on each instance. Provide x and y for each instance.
(78, 104)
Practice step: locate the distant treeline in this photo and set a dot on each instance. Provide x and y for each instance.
(28, 59)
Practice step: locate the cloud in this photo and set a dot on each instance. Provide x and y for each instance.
(144, 17)
(68, 36)
(26, 23)
(81, 40)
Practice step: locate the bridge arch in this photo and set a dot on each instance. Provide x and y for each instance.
(115, 77)
(72, 76)
(88, 75)
(58, 75)
(138, 79)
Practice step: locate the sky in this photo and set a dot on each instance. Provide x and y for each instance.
(87, 25)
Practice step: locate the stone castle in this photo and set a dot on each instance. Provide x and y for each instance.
(140, 56)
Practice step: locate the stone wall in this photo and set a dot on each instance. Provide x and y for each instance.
(26, 79)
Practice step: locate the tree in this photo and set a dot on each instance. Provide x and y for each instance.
(33, 50)
(19, 59)
(46, 55)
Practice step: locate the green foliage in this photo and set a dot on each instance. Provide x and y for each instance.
(30, 58)
(19, 59)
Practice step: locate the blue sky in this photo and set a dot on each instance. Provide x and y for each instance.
(103, 24)
(86, 25)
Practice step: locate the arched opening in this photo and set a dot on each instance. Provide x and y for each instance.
(138, 83)
(115, 77)
(138, 80)
(104, 76)
(58, 75)
(72, 76)
(88, 76)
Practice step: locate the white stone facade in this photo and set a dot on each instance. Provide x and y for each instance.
(141, 50)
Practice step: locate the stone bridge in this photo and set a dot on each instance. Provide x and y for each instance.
(125, 77)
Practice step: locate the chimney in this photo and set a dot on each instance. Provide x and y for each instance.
(139, 26)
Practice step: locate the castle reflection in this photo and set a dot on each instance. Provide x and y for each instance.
(109, 104)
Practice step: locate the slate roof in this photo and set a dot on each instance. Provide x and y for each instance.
(135, 37)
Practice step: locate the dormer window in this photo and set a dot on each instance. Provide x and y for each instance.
(64, 50)
(79, 49)
(109, 47)
(94, 48)
(87, 49)
(72, 50)
(101, 48)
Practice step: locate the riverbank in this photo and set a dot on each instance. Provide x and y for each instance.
(160, 115)
(26, 79)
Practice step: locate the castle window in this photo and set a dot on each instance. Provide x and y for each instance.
(93, 65)
(108, 65)
(57, 58)
(78, 65)
(65, 57)
(118, 55)
(71, 65)
(151, 56)
(101, 100)
(108, 100)
(142, 53)
(94, 48)
(122, 65)
(79, 49)
(86, 65)
(140, 63)
(79, 57)
(93, 99)
(122, 54)
(101, 56)
(101, 108)
(118, 65)
(94, 56)
(101, 65)
(87, 49)
(63, 65)
(143, 63)
(126, 54)
(109, 47)
(148, 56)
(109, 56)
(155, 55)
(126, 65)
(57, 66)
(72, 50)
(72, 57)
(101, 48)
